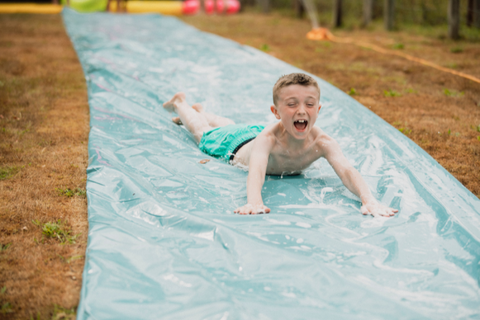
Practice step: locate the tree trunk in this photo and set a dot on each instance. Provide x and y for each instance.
(476, 14)
(470, 11)
(264, 5)
(367, 12)
(299, 8)
(454, 19)
(337, 14)
(389, 14)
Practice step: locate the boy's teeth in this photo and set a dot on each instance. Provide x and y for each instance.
(300, 124)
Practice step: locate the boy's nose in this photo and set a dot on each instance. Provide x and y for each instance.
(301, 109)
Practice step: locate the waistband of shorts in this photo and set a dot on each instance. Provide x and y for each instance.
(239, 142)
(234, 152)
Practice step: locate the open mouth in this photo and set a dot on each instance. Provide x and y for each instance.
(300, 125)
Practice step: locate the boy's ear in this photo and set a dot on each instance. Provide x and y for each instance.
(275, 111)
(319, 107)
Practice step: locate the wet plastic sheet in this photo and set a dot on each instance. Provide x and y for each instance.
(164, 242)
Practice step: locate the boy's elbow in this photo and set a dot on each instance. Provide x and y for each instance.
(352, 172)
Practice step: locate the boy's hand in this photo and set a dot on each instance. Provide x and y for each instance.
(252, 209)
(377, 209)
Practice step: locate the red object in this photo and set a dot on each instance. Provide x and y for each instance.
(219, 6)
(209, 6)
(190, 7)
(233, 6)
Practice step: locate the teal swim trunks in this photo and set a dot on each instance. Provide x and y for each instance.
(224, 142)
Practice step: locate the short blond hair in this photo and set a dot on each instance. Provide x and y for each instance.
(292, 79)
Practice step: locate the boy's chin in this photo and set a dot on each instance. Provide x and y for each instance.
(300, 135)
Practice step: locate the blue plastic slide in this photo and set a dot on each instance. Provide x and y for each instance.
(164, 242)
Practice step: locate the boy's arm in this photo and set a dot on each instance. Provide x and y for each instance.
(352, 179)
(257, 168)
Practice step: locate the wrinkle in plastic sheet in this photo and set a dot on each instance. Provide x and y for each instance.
(163, 239)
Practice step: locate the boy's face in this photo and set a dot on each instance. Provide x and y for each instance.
(297, 108)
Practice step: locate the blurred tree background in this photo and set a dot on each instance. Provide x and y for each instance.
(428, 13)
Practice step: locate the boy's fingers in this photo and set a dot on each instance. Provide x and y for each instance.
(248, 209)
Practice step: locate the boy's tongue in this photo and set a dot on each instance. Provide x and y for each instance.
(300, 125)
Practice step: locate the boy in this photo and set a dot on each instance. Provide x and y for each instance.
(286, 147)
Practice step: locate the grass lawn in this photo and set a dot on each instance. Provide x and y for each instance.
(44, 131)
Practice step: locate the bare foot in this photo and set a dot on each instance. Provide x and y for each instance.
(176, 99)
(177, 120)
(198, 107)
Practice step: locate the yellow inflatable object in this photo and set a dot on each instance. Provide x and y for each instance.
(163, 7)
(30, 8)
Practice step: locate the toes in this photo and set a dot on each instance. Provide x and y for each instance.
(177, 120)
(197, 107)
(363, 210)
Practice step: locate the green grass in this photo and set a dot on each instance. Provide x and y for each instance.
(456, 50)
(452, 65)
(391, 93)
(56, 230)
(68, 260)
(7, 172)
(352, 92)
(453, 93)
(265, 47)
(410, 90)
(6, 307)
(398, 46)
(67, 192)
(61, 313)
(4, 247)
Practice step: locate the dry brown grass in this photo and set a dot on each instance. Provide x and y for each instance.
(44, 129)
(443, 125)
(43, 146)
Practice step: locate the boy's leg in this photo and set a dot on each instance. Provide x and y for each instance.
(194, 121)
(213, 120)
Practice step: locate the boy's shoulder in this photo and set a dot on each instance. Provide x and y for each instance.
(321, 136)
(319, 139)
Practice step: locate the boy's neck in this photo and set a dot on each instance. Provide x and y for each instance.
(291, 141)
